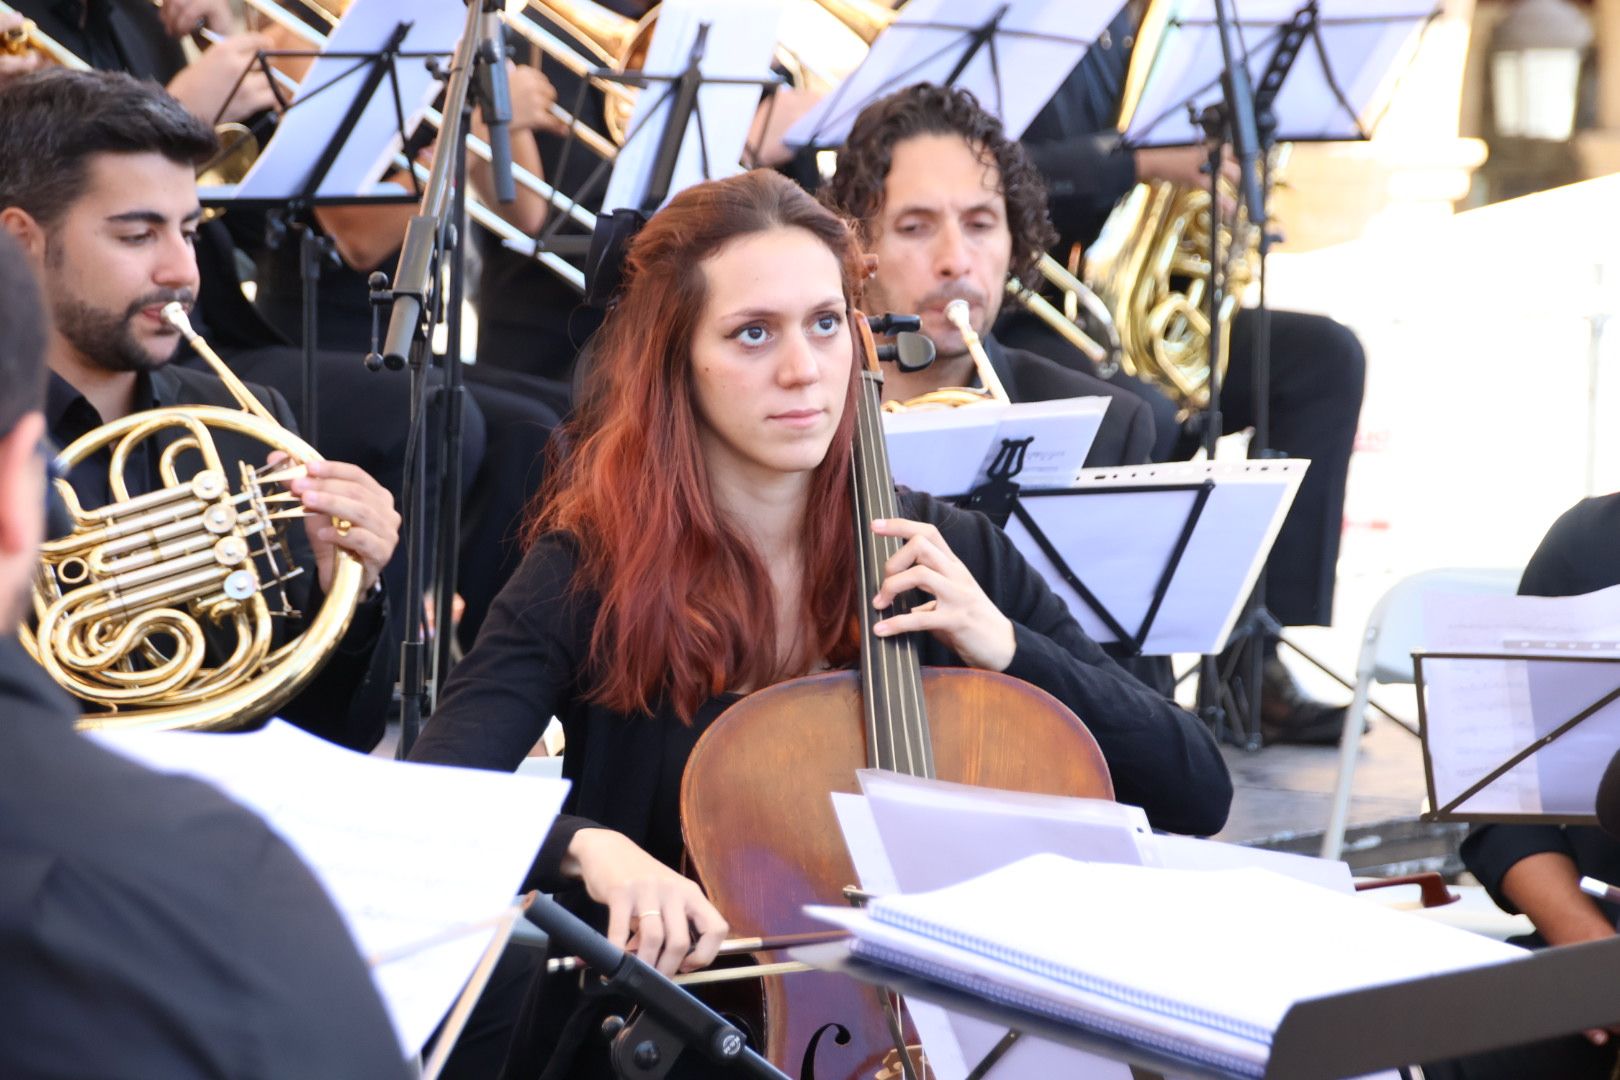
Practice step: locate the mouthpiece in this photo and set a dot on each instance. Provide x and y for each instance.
(175, 315)
(957, 313)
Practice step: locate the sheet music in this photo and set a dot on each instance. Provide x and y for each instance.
(406, 852)
(1113, 940)
(932, 833)
(1368, 43)
(948, 452)
(307, 129)
(1234, 534)
(1481, 712)
(1039, 42)
(741, 42)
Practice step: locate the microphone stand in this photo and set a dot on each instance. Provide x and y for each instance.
(416, 303)
(667, 1020)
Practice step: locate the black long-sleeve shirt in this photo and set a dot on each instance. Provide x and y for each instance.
(530, 662)
(152, 928)
(1577, 556)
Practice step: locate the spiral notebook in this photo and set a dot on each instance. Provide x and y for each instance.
(1200, 965)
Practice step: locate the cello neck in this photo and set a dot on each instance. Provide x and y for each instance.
(897, 735)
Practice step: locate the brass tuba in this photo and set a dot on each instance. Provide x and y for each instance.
(1150, 267)
(123, 604)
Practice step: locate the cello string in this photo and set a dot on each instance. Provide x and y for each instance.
(899, 656)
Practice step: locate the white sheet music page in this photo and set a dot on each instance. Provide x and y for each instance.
(937, 833)
(741, 41)
(1039, 42)
(1150, 504)
(1481, 712)
(408, 853)
(1361, 49)
(949, 452)
(325, 93)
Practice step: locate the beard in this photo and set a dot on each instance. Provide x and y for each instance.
(107, 339)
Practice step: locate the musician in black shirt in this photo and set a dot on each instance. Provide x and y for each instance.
(107, 210)
(149, 927)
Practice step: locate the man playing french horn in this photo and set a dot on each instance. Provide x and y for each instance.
(97, 187)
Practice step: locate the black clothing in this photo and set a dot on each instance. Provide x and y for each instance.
(347, 702)
(110, 35)
(1317, 365)
(529, 664)
(1576, 556)
(515, 418)
(1125, 436)
(152, 928)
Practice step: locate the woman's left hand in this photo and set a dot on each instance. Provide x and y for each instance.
(960, 614)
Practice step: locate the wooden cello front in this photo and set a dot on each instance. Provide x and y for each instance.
(755, 799)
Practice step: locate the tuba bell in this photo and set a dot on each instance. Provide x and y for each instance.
(123, 605)
(1150, 267)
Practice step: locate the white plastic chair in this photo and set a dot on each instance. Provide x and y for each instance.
(1394, 631)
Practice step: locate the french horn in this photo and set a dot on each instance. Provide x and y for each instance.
(166, 610)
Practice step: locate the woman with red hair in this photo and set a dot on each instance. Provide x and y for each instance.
(697, 542)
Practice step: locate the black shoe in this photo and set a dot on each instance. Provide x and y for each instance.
(1288, 715)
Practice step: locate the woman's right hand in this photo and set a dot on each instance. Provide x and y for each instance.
(651, 908)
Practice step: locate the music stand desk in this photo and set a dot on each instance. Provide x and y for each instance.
(1546, 994)
(1448, 810)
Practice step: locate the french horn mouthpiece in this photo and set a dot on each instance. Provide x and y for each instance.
(174, 313)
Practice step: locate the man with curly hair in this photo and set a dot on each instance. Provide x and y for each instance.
(951, 206)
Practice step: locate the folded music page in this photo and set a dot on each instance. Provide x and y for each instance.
(420, 860)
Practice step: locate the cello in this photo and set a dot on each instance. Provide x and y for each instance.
(756, 805)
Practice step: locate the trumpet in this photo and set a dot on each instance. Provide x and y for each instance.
(510, 235)
(29, 38)
(123, 603)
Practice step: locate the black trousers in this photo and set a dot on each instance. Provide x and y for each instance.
(1318, 372)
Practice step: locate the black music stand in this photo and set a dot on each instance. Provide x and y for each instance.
(1544, 995)
(666, 129)
(417, 300)
(966, 43)
(667, 1019)
(295, 202)
(1546, 742)
(1209, 53)
(1227, 532)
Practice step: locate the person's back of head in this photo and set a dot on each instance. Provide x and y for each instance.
(22, 426)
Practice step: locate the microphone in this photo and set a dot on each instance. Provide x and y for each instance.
(495, 104)
(1608, 798)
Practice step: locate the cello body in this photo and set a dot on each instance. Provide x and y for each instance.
(767, 842)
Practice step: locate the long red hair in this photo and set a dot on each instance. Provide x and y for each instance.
(686, 603)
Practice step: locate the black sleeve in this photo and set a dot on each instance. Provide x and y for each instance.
(1489, 852)
(1576, 555)
(347, 703)
(517, 675)
(1140, 431)
(1160, 757)
(506, 689)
